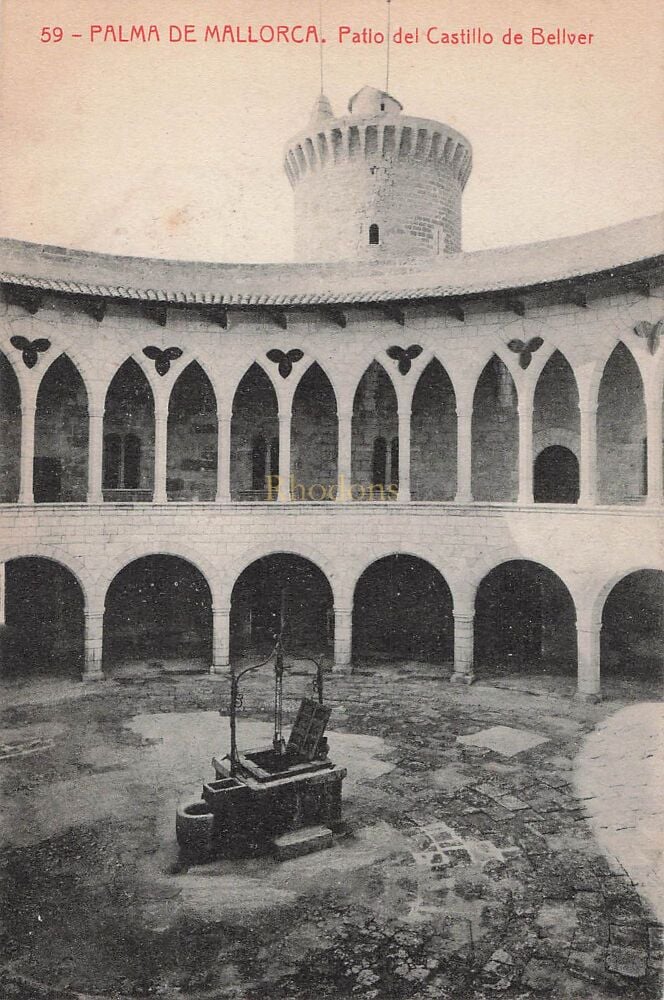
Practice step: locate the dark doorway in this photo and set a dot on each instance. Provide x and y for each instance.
(158, 608)
(276, 582)
(44, 613)
(633, 627)
(524, 621)
(556, 476)
(402, 610)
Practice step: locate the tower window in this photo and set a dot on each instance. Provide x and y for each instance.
(374, 235)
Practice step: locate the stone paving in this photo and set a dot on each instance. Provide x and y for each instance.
(463, 870)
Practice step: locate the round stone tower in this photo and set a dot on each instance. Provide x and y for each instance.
(377, 183)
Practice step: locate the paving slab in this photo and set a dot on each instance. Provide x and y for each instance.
(504, 740)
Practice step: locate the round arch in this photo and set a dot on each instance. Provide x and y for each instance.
(402, 610)
(556, 475)
(281, 588)
(525, 620)
(633, 625)
(45, 618)
(206, 567)
(158, 607)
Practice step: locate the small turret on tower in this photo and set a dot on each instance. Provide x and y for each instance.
(376, 183)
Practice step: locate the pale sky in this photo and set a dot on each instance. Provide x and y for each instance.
(176, 150)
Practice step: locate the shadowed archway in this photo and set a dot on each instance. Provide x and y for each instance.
(128, 465)
(632, 636)
(44, 608)
(281, 582)
(192, 437)
(254, 438)
(375, 437)
(433, 446)
(158, 610)
(61, 436)
(525, 621)
(402, 610)
(621, 430)
(495, 434)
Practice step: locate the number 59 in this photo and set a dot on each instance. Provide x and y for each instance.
(52, 34)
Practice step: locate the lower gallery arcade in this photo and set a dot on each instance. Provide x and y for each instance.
(160, 609)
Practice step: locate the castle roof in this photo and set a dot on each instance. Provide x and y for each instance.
(570, 258)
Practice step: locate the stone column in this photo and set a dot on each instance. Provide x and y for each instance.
(343, 639)
(160, 451)
(654, 445)
(464, 492)
(93, 643)
(525, 448)
(2, 595)
(464, 635)
(28, 411)
(221, 640)
(588, 629)
(284, 450)
(344, 455)
(224, 458)
(404, 453)
(588, 457)
(95, 456)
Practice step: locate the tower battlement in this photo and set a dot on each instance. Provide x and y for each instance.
(376, 183)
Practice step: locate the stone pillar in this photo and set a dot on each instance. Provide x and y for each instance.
(28, 411)
(2, 595)
(463, 645)
(464, 492)
(588, 457)
(284, 450)
(160, 452)
(221, 640)
(654, 445)
(588, 629)
(93, 643)
(344, 455)
(404, 453)
(525, 449)
(95, 456)
(224, 458)
(343, 639)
